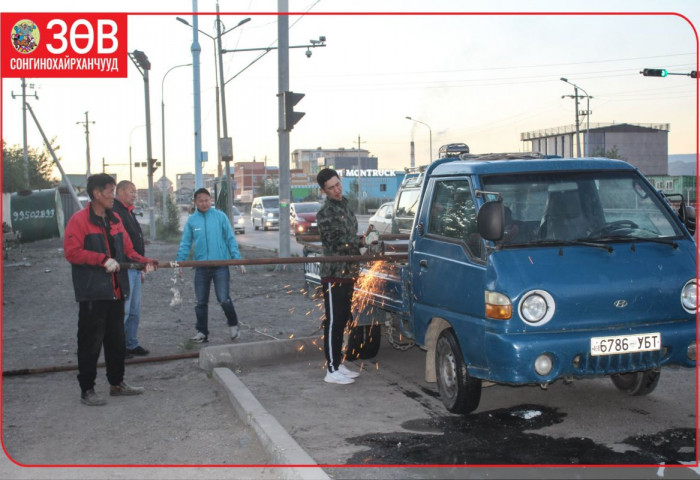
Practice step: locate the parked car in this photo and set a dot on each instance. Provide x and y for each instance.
(238, 221)
(383, 218)
(265, 212)
(302, 218)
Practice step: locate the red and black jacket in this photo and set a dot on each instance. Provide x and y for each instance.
(86, 247)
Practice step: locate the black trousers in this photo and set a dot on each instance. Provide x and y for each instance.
(100, 323)
(338, 301)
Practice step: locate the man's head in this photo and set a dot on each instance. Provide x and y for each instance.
(126, 193)
(202, 199)
(330, 183)
(100, 188)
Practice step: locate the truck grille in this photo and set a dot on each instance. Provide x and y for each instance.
(586, 364)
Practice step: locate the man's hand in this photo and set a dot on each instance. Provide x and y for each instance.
(111, 265)
(151, 266)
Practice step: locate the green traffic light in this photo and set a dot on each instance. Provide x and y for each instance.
(654, 72)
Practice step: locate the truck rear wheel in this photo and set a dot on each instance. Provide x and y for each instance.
(637, 383)
(363, 342)
(460, 392)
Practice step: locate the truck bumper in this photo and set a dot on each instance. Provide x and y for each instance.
(512, 357)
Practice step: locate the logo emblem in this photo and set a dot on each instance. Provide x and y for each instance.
(25, 36)
(620, 303)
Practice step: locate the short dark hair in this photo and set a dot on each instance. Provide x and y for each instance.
(200, 191)
(325, 175)
(98, 182)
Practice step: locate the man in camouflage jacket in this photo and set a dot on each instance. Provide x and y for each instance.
(337, 225)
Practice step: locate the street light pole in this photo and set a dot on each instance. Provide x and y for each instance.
(144, 65)
(224, 144)
(162, 130)
(431, 136)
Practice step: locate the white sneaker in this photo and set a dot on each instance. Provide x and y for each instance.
(234, 332)
(199, 338)
(347, 372)
(337, 377)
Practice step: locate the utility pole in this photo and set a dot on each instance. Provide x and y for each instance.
(86, 124)
(225, 143)
(24, 129)
(359, 178)
(283, 132)
(143, 65)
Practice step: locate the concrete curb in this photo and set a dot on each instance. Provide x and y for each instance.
(236, 354)
(277, 442)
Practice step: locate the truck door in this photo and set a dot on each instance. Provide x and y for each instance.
(448, 260)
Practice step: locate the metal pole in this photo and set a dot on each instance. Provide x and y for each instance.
(224, 121)
(162, 127)
(271, 261)
(283, 86)
(149, 156)
(196, 49)
(24, 133)
(359, 177)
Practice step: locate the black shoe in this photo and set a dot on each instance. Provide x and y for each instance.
(137, 351)
(127, 355)
(92, 399)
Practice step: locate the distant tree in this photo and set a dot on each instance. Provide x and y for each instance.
(612, 153)
(268, 187)
(168, 227)
(40, 166)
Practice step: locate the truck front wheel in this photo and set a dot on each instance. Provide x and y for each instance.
(460, 393)
(363, 342)
(637, 383)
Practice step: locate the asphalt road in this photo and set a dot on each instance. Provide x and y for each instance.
(391, 416)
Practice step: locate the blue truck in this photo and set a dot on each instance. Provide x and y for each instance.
(532, 270)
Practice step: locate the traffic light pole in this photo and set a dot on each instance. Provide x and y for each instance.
(283, 86)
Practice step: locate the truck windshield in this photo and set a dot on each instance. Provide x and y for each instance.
(580, 206)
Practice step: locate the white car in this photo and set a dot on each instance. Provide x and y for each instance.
(238, 221)
(383, 218)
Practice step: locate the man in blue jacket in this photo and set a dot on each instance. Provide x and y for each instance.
(213, 238)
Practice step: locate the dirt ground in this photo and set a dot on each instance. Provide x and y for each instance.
(184, 417)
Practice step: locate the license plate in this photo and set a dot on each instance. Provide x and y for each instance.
(644, 342)
(314, 224)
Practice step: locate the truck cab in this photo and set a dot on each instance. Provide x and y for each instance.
(525, 270)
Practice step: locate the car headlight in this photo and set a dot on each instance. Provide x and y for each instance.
(689, 296)
(498, 306)
(270, 215)
(241, 221)
(536, 307)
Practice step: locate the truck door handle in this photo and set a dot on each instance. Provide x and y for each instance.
(423, 263)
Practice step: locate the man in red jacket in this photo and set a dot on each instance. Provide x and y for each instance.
(95, 242)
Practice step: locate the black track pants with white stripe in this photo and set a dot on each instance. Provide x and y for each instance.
(338, 301)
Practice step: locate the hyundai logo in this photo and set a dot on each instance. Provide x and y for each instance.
(620, 303)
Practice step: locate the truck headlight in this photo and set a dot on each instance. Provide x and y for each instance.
(537, 307)
(689, 296)
(498, 306)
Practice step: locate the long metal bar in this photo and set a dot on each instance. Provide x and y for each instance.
(269, 261)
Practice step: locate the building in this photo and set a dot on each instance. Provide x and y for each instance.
(376, 186)
(686, 185)
(644, 146)
(185, 183)
(247, 178)
(310, 161)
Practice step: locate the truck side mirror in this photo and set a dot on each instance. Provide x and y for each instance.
(687, 216)
(489, 221)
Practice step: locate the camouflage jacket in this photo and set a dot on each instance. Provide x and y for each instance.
(337, 225)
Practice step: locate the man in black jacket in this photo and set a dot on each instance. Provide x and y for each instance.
(124, 207)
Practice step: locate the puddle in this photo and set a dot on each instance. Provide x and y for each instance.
(498, 437)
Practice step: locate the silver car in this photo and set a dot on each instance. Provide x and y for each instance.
(382, 218)
(238, 221)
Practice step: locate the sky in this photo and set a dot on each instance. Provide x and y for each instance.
(481, 77)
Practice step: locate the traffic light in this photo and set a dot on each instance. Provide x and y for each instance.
(290, 117)
(153, 165)
(654, 72)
